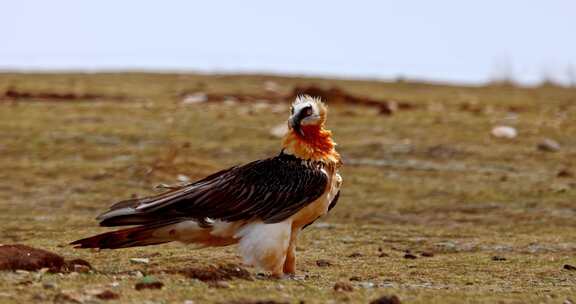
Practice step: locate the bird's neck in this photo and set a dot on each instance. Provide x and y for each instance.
(316, 144)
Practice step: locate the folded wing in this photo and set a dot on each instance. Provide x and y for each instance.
(271, 190)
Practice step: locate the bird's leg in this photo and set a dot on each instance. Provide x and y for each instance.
(290, 263)
(274, 262)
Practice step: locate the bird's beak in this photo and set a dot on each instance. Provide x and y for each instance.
(294, 123)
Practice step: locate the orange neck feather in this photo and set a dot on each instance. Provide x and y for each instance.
(317, 144)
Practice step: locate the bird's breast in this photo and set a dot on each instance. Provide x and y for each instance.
(320, 206)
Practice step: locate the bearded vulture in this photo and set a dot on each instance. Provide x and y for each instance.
(262, 205)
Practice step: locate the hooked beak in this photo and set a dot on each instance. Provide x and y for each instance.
(294, 123)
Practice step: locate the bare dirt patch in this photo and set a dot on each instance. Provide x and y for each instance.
(22, 257)
(213, 273)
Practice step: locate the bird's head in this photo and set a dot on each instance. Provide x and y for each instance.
(307, 114)
(307, 137)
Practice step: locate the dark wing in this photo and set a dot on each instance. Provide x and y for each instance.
(272, 190)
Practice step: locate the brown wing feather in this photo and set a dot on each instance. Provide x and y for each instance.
(272, 190)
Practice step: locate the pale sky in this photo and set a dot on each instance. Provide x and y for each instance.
(462, 41)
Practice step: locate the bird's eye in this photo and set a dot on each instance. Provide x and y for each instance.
(308, 111)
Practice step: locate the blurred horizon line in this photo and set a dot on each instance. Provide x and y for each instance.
(498, 80)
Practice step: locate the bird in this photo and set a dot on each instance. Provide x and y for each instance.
(262, 206)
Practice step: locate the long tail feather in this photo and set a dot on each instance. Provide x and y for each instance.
(131, 237)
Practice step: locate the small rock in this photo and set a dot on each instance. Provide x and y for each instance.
(383, 255)
(114, 284)
(323, 263)
(195, 98)
(498, 258)
(347, 240)
(427, 254)
(139, 260)
(81, 268)
(366, 285)
(279, 131)
(137, 274)
(569, 267)
(355, 278)
(183, 178)
(22, 272)
(49, 285)
(410, 256)
(504, 132)
(448, 246)
(189, 302)
(386, 300)
(548, 145)
(355, 255)
(107, 295)
(343, 287)
(76, 266)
